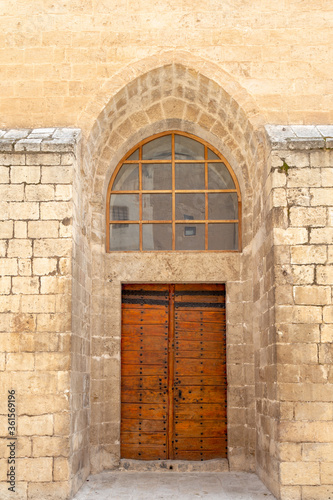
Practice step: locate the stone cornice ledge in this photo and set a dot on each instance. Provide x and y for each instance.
(44, 140)
(300, 136)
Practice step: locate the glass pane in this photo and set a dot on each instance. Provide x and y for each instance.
(219, 177)
(190, 176)
(188, 149)
(212, 156)
(156, 237)
(124, 207)
(134, 156)
(190, 206)
(158, 149)
(222, 236)
(222, 206)
(127, 178)
(124, 237)
(156, 176)
(190, 236)
(156, 207)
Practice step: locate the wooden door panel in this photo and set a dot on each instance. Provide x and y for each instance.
(173, 372)
(134, 424)
(141, 382)
(209, 411)
(145, 342)
(211, 428)
(144, 411)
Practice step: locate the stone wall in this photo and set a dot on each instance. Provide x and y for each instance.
(301, 193)
(57, 57)
(37, 344)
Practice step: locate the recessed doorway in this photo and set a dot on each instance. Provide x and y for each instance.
(173, 382)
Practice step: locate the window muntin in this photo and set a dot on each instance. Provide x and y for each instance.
(173, 192)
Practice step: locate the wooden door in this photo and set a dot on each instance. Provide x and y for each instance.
(173, 385)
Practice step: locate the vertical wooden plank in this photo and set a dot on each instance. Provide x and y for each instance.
(171, 372)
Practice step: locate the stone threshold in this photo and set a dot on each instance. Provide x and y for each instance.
(216, 465)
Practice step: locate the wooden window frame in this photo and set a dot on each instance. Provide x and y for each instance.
(173, 191)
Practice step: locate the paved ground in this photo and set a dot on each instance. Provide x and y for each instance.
(124, 485)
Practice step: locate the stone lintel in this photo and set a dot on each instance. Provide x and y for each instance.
(300, 137)
(42, 140)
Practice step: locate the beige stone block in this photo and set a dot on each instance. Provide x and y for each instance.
(317, 492)
(303, 275)
(308, 254)
(321, 235)
(326, 353)
(279, 197)
(298, 197)
(43, 159)
(3, 248)
(48, 491)
(326, 333)
(56, 210)
(313, 411)
(323, 196)
(39, 425)
(52, 248)
(290, 452)
(327, 177)
(63, 192)
(24, 267)
(306, 216)
(6, 229)
(50, 446)
(312, 295)
(38, 303)
(298, 314)
(284, 294)
(4, 175)
(20, 248)
(36, 404)
(52, 361)
(329, 254)
(306, 431)
(9, 304)
(20, 491)
(35, 469)
(62, 424)
(55, 284)
(29, 175)
(44, 266)
(299, 473)
(23, 322)
(328, 314)
(43, 229)
(5, 285)
(279, 179)
(11, 192)
(39, 192)
(12, 159)
(305, 392)
(57, 175)
(291, 492)
(66, 230)
(61, 469)
(20, 229)
(54, 322)
(317, 452)
(304, 177)
(20, 361)
(330, 216)
(325, 275)
(290, 236)
(296, 353)
(25, 285)
(24, 210)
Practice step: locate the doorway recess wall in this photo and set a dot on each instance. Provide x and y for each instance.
(173, 384)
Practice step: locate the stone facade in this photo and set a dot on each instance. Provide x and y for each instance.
(82, 82)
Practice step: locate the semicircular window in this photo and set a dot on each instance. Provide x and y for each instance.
(173, 191)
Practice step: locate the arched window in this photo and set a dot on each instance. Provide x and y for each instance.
(173, 191)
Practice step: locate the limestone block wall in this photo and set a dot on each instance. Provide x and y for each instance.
(301, 163)
(36, 251)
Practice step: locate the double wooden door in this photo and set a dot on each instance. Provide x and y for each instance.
(173, 384)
